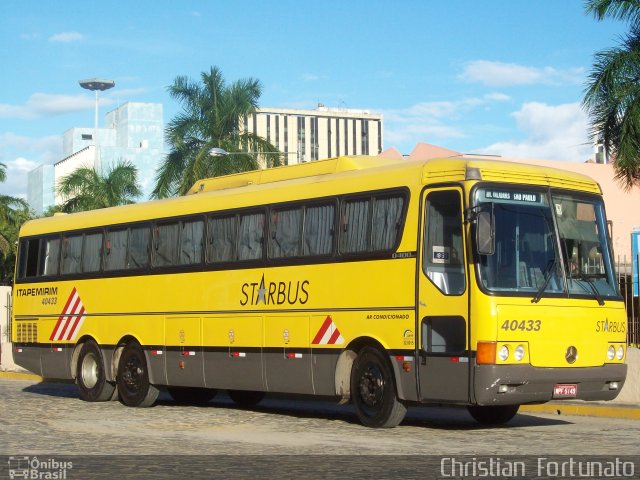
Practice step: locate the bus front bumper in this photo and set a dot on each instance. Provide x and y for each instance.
(520, 384)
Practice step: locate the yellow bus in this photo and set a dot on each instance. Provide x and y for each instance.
(385, 283)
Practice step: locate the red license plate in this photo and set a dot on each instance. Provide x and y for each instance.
(565, 390)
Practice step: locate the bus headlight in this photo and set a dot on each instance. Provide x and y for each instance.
(611, 352)
(620, 352)
(503, 353)
(518, 354)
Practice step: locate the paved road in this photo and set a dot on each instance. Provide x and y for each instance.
(49, 418)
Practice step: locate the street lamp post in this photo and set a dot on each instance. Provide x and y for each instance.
(96, 85)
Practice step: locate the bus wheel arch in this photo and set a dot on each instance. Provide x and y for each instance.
(89, 369)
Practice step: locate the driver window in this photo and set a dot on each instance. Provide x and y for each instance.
(443, 255)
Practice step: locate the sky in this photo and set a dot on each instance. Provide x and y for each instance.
(503, 77)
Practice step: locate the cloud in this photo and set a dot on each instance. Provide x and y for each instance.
(498, 74)
(22, 154)
(432, 121)
(312, 77)
(66, 37)
(21, 165)
(555, 132)
(48, 105)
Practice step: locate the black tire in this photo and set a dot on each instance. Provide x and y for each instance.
(192, 395)
(91, 376)
(134, 388)
(493, 414)
(246, 398)
(373, 390)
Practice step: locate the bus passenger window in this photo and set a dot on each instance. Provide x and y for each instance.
(355, 226)
(166, 245)
(49, 256)
(115, 251)
(92, 247)
(285, 233)
(387, 214)
(71, 254)
(318, 230)
(251, 234)
(139, 247)
(191, 239)
(28, 266)
(442, 256)
(221, 243)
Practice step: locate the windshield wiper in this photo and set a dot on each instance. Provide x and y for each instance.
(548, 273)
(586, 278)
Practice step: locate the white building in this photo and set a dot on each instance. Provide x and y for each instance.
(133, 132)
(307, 135)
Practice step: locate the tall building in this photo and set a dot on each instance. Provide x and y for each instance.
(133, 132)
(307, 135)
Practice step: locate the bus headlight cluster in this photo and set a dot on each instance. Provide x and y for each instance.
(615, 352)
(508, 352)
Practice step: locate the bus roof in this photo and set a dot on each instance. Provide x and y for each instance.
(314, 180)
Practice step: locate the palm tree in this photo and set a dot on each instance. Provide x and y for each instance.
(612, 96)
(13, 212)
(88, 189)
(212, 116)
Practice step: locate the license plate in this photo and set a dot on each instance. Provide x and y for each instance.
(565, 390)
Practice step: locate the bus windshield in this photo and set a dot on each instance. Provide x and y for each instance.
(546, 243)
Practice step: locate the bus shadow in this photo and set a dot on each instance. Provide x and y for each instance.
(439, 418)
(53, 389)
(300, 406)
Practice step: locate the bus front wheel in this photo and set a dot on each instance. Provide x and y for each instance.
(134, 388)
(493, 414)
(373, 390)
(90, 374)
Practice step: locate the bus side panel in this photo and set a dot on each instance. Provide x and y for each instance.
(287, 357)
(233, 352)
(184, 363)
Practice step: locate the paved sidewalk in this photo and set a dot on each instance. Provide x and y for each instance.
(628, 411)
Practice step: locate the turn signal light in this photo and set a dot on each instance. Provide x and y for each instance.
(486, 353)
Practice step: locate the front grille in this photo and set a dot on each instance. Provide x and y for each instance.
(26, 332)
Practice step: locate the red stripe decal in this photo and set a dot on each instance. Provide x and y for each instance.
(334, 337)
(323, 329)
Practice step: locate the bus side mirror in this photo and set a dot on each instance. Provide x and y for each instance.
(485, 234)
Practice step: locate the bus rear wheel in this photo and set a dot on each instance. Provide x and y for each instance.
(373, 390)
(192, 395)
(246, 398)
(134, 388)
(91, 376)
(493, 414)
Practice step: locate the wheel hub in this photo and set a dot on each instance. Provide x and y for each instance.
(372, 386)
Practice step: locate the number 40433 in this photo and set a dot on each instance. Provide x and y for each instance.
(522, 325)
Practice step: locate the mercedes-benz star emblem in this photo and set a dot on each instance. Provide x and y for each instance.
(571, 355)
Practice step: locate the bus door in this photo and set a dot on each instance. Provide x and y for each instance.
(443, 310)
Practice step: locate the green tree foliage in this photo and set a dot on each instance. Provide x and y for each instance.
(212, 116)
(13, 213)
(612, 96)
(87, 189)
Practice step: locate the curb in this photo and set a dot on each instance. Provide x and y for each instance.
(628, 412)
(21, 376)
